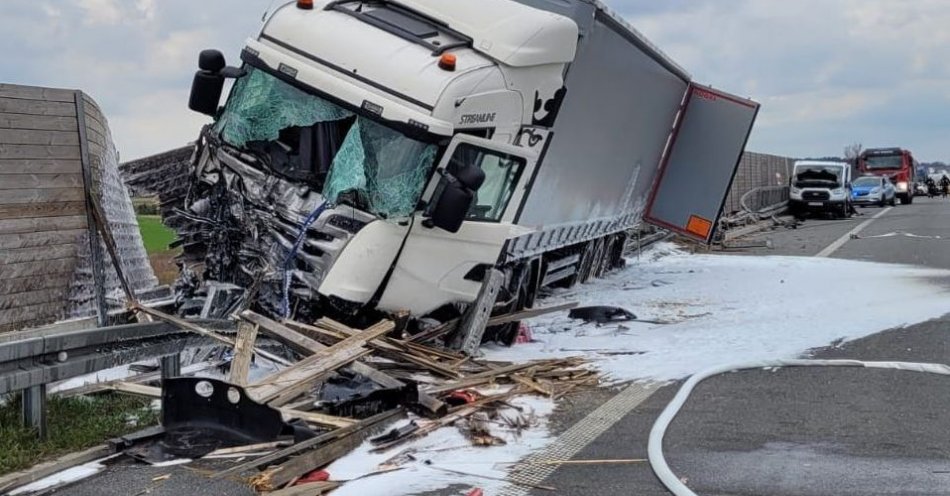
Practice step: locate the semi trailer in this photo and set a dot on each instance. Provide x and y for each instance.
(446, 160)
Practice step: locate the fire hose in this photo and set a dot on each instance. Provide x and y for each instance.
(658, 432)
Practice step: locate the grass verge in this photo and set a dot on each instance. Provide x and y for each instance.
(73, 425)
(156, 237)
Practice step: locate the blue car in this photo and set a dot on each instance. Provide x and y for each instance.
(873, 190)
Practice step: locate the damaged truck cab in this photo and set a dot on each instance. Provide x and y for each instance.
(421, 155)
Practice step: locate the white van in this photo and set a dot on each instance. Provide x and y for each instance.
(820, 187)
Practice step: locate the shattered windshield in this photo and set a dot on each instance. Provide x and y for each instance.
(350, 158)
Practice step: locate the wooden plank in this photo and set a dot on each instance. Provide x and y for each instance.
(303, 373)
(29, 284)
(21, 255)
(188, 326)
(136, 379)
(33, 107)
(41, 181)
(243, 353)
(27, 269)
(35, 137)
(299, 342)
(36, 93)
(529, 313)
(21, 196)
(311, 460)
(288, 335)
(247, 448)
(307, 347)
(23, 152)
(481, 378)
(96, 121)
(42, 224)
(32, 210)
(43, 311)
(388, 347)
(317, 418)
(41, 239)
(50, 166)
(10, 302)
(38, 122)
(308, 444)
(137, 389)
(9, 482)
(105, 231)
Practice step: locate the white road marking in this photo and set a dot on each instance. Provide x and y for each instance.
(833, 247)
(577, 437)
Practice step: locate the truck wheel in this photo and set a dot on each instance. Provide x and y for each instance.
(883, 202)
(597, 260)
(603, 260)
(507, 334)
(583, 267)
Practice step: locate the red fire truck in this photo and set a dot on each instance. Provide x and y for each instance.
(897, 164)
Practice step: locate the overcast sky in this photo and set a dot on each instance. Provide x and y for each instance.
(828, 72)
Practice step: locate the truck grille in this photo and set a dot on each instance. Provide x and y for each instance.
(816, 195)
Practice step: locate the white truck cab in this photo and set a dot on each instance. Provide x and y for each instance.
(818, 186)
(421, 156)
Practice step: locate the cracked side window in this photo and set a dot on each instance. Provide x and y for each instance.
(380, 169)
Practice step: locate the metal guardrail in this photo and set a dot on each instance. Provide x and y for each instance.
(40, 360)
(765, 199)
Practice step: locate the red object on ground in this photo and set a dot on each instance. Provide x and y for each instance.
(462, 397)
(524, 334)
(315, 476)
(475, 492)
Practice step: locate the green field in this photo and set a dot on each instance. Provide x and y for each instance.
(154, 234)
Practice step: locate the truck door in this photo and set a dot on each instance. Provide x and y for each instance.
(700, 162)
(435, 266)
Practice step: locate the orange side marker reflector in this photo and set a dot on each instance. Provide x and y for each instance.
(699, 226)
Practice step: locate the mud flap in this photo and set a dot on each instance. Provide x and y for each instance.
(200, 415)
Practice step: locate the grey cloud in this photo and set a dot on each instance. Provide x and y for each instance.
(828, 73)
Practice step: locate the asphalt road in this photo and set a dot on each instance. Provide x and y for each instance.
(917, 234)
(801, 432)
(791, 432)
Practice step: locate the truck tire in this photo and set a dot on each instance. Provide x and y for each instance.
(584, 265)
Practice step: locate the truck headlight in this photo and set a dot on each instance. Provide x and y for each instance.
(902, 187)
(794, 191)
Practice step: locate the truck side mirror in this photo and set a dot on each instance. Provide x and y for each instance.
(454, 198)
(208, 83)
